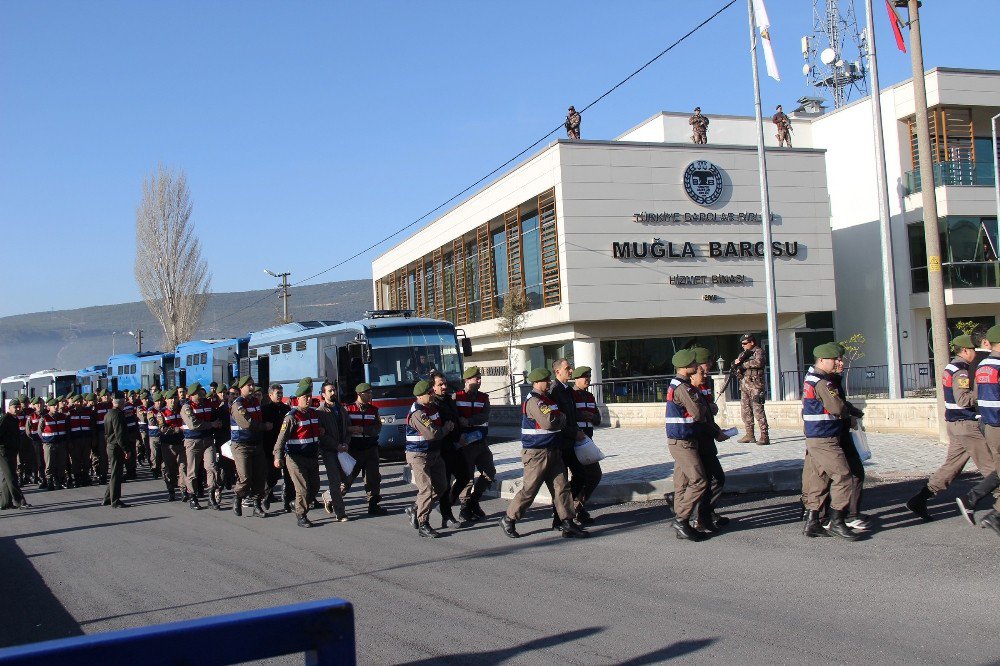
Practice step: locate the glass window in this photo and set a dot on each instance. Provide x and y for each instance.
(531, 251)
(472, 285)
(500, 266)
(403, 356)
(450, 310)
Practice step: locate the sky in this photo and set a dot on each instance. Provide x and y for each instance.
(311, 130)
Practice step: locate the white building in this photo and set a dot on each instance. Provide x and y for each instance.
(632, 248)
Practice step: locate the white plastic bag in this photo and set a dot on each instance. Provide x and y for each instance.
(227, 451)
(347, 462)
(860, 440)
(587, 452)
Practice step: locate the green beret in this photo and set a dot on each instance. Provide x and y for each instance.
(993, 334)
(23, 398)
(684, 358)
(70, 395)
(963, 342)
(172, 393)
(303, 390)
(362, 387)
(194, 387)
(157, 396)
(77, 398)
(51, 402)
(34, 401)
(143, 393)
(243, 381)
(702, 355)
(306, 381)
(423, 387)
(470, 372)
(581, 371)
(221, 388)
(828, 350)
(539, 375)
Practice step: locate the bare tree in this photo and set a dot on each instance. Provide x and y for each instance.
(510, 326)
(173, 278)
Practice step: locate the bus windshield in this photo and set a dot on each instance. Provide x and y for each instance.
(65, 385)
(403, 356)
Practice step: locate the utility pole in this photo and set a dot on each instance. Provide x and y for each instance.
(137, 334)
(932, 237)
(284, 294)
(885, 230)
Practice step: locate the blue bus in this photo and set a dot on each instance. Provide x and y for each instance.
(142, 370)
(207, 361)
(390, 349)
(92, 379)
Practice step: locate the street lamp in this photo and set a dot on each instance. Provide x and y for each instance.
(284, 293)
(137, 334)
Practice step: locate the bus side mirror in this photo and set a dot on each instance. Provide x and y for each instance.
(360, 351)
(466, 347)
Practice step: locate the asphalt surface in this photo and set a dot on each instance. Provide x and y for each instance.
(632, 594)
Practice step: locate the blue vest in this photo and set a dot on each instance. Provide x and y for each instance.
(152, 425)
(533, 435)
(680, 423)
(203, 412)
(952, 412)
(238, 435)
(988, 390)
(415, 442)
(816, 420)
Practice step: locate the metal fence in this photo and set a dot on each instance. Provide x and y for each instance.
(323, 630)
(869, 381)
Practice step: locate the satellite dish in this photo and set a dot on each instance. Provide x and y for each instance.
(839, 64)
(827, 56)
(806, 69)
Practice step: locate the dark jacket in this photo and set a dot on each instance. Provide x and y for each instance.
(273, 413)
(563, 395)
(115, 431)
(449, 412)
(334, 426)
(9, 433)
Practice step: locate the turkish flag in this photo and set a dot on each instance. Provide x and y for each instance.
(897, 27)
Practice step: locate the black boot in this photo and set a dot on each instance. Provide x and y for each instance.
(918, 503)
(425, 530)
(237, 505)
(556, 522)
(303, 522)
(813, 527)
(571, 530)
(837, 526)
(258, 510)
(992, 521)
(967, 504)
(583, 517)
(411, 514)
(507, 525)
(171, 495)
(448, 518)
(476, 509)
(213, 498)
(685, 531)
(375, 510)
(466, 514)
(193, 503)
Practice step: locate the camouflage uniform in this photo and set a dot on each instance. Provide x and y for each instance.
(699, 127)
(784, 127)
(752, 394)
(572, 124)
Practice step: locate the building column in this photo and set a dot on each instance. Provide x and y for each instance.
(588, 352)
(789, 358)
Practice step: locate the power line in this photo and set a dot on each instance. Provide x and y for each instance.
(499, 168)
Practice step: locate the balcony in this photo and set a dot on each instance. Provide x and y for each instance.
(954, 173)
(960, 275)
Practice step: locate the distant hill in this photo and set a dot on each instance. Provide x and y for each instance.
(72, 339)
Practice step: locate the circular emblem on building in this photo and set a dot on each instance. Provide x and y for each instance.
(703, 182)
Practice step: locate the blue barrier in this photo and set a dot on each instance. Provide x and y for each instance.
(324, 630)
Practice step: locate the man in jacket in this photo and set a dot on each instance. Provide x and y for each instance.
(335, 422)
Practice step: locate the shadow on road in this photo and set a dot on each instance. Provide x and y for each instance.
(32, 612)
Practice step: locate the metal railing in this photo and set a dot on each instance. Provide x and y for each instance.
(323, 630)
(953, 173)
(870, 381)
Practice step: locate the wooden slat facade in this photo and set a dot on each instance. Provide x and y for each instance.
(549, 242)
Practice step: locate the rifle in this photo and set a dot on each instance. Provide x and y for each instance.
(735, 370)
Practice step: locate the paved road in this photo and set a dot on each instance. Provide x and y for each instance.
(913, 593)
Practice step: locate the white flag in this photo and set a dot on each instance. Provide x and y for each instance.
(764, 25)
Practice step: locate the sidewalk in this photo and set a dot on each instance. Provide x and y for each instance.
(639, 468)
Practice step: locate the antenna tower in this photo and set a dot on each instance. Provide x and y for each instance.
(835, 53)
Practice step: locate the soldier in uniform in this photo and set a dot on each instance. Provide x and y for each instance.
(172, 452)
(365, 428)
(117, 436)
(26, 452)
(686, 416)
(132, 421)
(52, 429)
(31, 420)
(80, 441)
(587, 416)
(297, 449)
(988, 394)
(335, 422)
(750, 367)
(424, 432)
(274, 411)
(142, 431)
(706, 519)
(10, 443)
(823, 412)
(196, 416)
(784, 126)
(699, 126)
(246, 425)
(474, 422)
(572, 124)
(153, 407)
(964, 438)
(542, 422)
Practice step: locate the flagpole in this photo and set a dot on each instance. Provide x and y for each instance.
(885, 230)
(774, 357)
